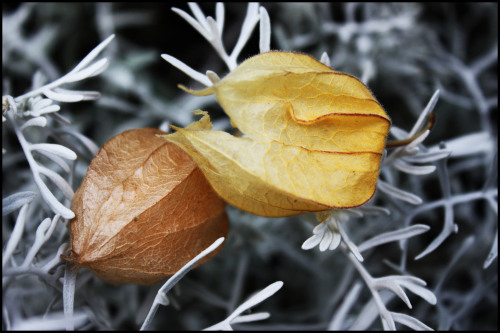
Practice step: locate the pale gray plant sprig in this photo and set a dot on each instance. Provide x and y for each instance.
(330, 232)
(236, 317)
(28, 110)
(465, 146)
(53, 151)
(25, 113)
(404, 158)
(161, 296)
(395, 284)
(369, 314)
(340, 316)
(29, 264)
(212, 30)
(330, 235)
(470, 75)
(48, 269)
(449, 226)
(400, 158)
(85, 69)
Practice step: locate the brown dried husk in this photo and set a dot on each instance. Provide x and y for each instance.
(143, 210)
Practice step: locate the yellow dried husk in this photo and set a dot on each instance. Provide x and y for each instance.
(314, 137)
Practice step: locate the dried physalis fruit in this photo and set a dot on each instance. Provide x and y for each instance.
(143, 210)
(314, 137)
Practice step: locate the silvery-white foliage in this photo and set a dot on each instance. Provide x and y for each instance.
(431, 225)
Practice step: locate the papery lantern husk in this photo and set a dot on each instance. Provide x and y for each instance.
(314, 137)
(143, 210)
